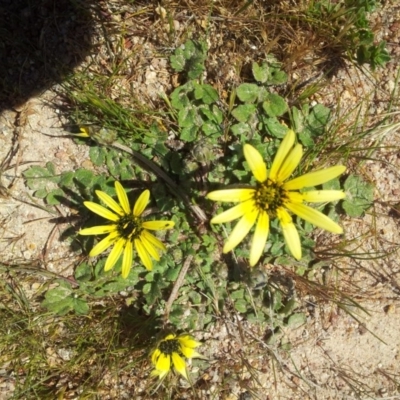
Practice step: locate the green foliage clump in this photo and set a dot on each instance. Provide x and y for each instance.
(209, 131)
(351, 33)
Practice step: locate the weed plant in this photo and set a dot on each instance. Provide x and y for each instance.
(111, 323)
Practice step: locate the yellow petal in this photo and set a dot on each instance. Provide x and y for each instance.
(100, 210)
(169, 337)
(294, 197)
(150, 248)
(314, 217)
(259, 238)
(256, 162)
(127, 259)
(231, 195)
(122, 197)
(104, 244)
(290, 233)
(143, 255)
(314, 178)
(154, 357)
(241, 229)
(233, 213)
(158, 225)
(84, 133)
(284, 148)
(141, 203)
(98, 230)
(153, 240)
(114, 255)
(321, 196)
(290, 164)
(188, 341)
(160, 374)
(179, 364)
(190, 353)
(110, 202)
(163, 363)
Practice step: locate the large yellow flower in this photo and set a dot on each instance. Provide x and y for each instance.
(171, 350)
(272, 197)
(126, 229)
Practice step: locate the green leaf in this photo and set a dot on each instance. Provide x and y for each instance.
(206, 93)
(176, 314)
(277, 77)
(248, 92)
(297, 119)
(60, 299)
(60, 307)
(237, 294)
(195, 297)
(112, 287)
(275, 128)
(53, 198)
(359, 196)
(97, 155)
(306, 139)
(67, 179)
(147, 288)
(51, 168)
(213, 115)
(80, 306)
(152, 294)
(189, 134)
(317, 120)
(178, 61)
(190, 57)
(84, 177)
(149, 277)
(289, 306)
(244, 112)
(172, 274)
(275, 105)
(179, 97)
(241, 129)
(83, 272)
(113, 163)
(41, 193)
(210, 128)
(260, 72)
(37, 177)
(188, 117)
(241, 305)
(296, 320)
(333, 184)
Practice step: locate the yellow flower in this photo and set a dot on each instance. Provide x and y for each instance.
(172, 350)
(84, 132)
(126, 229)
(272, 197)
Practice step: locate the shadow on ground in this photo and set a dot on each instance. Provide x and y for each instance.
(41, 42)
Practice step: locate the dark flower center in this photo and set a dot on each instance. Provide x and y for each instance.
(269, 196)
(129, 227)
(170, 346)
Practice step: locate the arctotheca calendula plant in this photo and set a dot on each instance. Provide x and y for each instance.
(273, 197)
(172, 350)
(126, 230)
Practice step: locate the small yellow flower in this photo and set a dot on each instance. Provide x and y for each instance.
(171, 351)
(84, 132)
(126, 230)
(272, 197)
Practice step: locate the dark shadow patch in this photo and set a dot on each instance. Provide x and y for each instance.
(41, 42)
